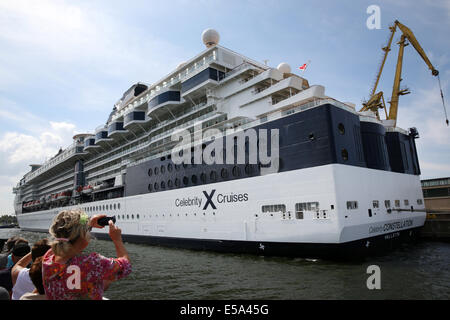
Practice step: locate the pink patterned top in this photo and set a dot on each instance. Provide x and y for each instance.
(60, 281)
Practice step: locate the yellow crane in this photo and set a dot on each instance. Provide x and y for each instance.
(376, 100)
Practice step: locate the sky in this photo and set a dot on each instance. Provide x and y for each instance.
(63, 64)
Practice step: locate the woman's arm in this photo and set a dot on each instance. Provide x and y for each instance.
(21, 264)
(116, 236)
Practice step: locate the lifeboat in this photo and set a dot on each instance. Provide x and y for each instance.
(53, 197)
(87, 189)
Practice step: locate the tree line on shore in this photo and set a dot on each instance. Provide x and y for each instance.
(7, 219)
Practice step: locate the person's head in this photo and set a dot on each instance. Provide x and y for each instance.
(19, 251)
(9, 245)
(39, 249)
(70, 228)
(35, 274)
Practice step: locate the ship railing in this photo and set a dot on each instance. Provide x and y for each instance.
(153, 139)
(155, 89)
(68, 152)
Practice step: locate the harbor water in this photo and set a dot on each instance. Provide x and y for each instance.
(419, 271)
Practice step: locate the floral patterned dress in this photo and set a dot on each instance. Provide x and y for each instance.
(58, 278)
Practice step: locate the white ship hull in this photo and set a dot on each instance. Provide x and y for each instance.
(180, 215)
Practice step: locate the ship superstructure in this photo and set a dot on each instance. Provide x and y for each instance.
(344, 179)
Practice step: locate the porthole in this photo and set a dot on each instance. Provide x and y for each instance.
(163, 185)
(344, 154)
(114, 206)
(118, 206)
(224, 173)
(132, 216)
(156, 170)
(137, 216)
(156, 186)
(236, 171)
(169, 167)
(118, 217)
(150, 172)
(177, 182)
(185, 181)
(203, 177)
(128, 216)
(170, 183)
(177, 167)
(341, 128)
(163, 169)
(123, 217)
(194, 179)
(213, 176)
(247, 169)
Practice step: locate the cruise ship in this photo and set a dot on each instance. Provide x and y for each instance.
(315, 178)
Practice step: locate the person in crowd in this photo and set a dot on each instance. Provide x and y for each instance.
(20, 273)
(20, 250)
(68, 273)
(6, 256)
(4, 294)
(35, 273)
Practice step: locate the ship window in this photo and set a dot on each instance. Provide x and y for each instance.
(194, 179)
(170, 183)
(341, 128)
(375, 204)
(118, 217)
(306, 206)
(150, 172)
(213, 176)
(419, 201)
(387, 203)
(156, 186)
(110, 206)
(185, 180)
(406, 201)
(370, 212)
(118, 206)
(132, 216)
(169, 167)
(137, 216)
(203, 177)
(114, 206)
(103, 207)
(397, 203)
(177, 182)
(128, 216)
(156, 170)
(224, 173)
(163, 185)
(247, 169)
(123, 217)
(163, 169)
(344, 154)
(177, 167)
(236, 171)
(351, 205)
(274, 208)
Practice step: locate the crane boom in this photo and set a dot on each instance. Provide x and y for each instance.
(376, 100)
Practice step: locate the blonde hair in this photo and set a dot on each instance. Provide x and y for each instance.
(67, 225)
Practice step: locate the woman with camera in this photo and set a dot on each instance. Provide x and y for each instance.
(68, 273)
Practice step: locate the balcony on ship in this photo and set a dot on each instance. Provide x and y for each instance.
(115, 128)
(101, 135)
(135, 118)
(89, 144)
(199, 83)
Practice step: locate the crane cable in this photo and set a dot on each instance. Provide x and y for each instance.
(443, 103)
